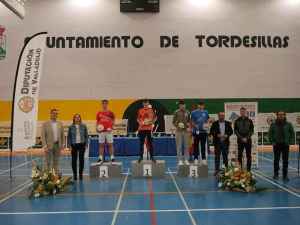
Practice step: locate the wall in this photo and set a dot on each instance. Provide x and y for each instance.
(88, 108)
(188, 71)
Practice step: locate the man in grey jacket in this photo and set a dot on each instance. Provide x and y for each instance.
(52, 140)
(181, 120)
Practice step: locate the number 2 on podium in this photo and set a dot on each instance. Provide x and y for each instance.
(103, 172)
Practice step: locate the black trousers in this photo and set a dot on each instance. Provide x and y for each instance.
(221, 148)
(78, 150)
(202, 138)
(143, 134)
(248, 147)
(279, 149)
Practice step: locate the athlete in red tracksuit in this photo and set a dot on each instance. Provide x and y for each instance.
(146, 119)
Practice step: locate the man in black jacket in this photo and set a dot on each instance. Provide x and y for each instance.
(244, 129)
(221, 130)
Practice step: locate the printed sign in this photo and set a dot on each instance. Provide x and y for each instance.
(294, 118)
(2, 43)
(193, 171)
(26, 93)
(264, 121)
(147, 170)
(103, 172)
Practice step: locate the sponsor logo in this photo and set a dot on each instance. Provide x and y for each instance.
(2, 43)
(298, 120)
(26, 104)
(270, 119)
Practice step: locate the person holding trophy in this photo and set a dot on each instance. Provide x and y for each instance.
(146, 118)
(104, 126)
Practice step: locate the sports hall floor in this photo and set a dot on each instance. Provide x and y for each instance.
(129, 201)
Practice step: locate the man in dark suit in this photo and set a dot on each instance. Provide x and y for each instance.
(221, 130)
(244, 129)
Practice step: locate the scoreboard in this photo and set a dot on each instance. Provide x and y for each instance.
(139, 5)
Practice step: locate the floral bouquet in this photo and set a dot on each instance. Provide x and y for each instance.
(235, 179)
(47, 182)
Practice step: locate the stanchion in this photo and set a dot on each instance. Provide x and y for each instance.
(298, 158)
(10, 159)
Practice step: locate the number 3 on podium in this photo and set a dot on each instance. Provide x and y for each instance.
(103, 172)
(193, 171)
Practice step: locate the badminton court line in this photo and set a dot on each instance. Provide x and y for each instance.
(285, 185)
(113, 222)
(182, 199)
(23, 164)
(270, 160)
(262, 176)
(149, 210)
(19, 188)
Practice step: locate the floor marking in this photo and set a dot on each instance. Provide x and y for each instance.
(149, 211)
(152, 205)
(23, 164)
(113, 222)
(99, 194)
(170, 172)
(21, 186)
(247, 209)
(270, 160)
(126, 173)
(182, 199)
(284, 185)
(262, 176)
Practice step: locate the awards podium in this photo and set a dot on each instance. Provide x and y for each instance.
(148, 169)
(192, 170)
(106, 170)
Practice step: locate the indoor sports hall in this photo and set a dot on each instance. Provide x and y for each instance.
(154, 112)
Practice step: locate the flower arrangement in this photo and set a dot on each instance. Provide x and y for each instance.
(235, 179)
(47, 182)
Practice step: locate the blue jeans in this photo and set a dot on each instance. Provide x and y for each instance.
(221, 147)
(182, 138)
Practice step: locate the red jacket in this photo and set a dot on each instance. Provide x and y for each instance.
(105, 118)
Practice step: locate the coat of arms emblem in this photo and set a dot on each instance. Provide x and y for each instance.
(26, 104)
(2, 42)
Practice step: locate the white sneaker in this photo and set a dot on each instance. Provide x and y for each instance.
(180, 163)
(186, 162)
(196, 161)
(204, 162)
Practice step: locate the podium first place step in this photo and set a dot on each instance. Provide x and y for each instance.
(148, 169)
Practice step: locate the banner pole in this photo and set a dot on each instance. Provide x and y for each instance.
(10, 164)
(298, 157)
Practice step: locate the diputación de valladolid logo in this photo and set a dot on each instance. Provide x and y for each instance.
(2, 43)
